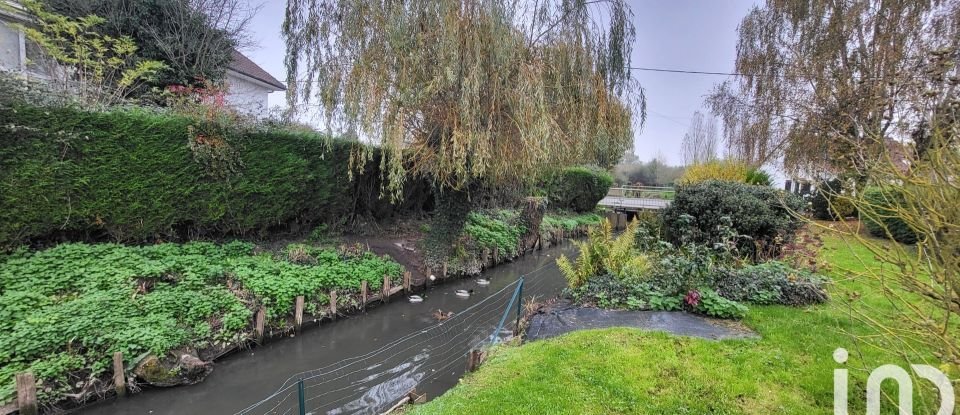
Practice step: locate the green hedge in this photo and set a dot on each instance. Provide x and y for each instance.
(879, 215)
(580, 188)
(130, 175)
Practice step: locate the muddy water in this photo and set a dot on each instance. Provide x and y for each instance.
(247, 377)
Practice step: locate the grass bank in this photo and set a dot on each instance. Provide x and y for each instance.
(789, 370)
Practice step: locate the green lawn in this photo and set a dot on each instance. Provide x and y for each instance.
(789, 370)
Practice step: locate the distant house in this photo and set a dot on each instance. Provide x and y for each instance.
(16, 51)
(249, 85)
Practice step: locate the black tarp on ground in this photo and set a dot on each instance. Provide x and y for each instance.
(564, 317)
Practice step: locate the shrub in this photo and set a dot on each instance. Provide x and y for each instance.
(724, 170)
(610, 291)
(649, 230)
(136, 175)
(878, 211)
(771, 283)
(603, 253)
(763, 215)
(580, 188)
(712, 304)
(758, 177)
(828, 202)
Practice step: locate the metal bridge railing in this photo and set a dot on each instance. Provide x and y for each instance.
(643, 192)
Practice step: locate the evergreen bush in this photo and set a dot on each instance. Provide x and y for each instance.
(879, 215)
(580, 188)
(761, 215)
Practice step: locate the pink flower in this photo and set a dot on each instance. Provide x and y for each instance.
(692, 298)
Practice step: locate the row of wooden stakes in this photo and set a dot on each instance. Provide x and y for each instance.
(365, 298)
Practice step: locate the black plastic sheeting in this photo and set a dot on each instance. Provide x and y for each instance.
(563, 318)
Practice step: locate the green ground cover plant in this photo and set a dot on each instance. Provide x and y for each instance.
(495, 229)
(568, 221)
(65, 310)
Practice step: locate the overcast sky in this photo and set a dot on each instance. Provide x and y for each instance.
(675, 34)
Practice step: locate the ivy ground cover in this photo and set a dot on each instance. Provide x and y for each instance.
(64, 311)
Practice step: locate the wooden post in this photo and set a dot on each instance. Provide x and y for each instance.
(333, 304)
(417, 397)
(261, 319)
(363, 294)
(496, 255)
(473, 360)
(298, 312)
(485, 257)
(119, 379)
(27, 393)
(444, 274)
(406, 282)
(385, 297)
(471, 363)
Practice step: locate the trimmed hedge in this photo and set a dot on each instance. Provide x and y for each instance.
(759, 212)
(879, 215)
(131, 175)
(580, 188)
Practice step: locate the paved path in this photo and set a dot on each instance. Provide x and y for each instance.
(564, 318)
(633, 203)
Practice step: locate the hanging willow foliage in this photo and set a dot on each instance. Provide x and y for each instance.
(822, 78)
(459, 91)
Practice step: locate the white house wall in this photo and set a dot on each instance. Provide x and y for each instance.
(246, 96)
(11, 47)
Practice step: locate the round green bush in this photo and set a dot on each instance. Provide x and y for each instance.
(879, 215)
(580, 188)
(763, 214)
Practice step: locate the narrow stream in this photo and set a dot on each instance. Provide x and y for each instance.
(247, 377)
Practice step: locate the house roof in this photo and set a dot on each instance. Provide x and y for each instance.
(245, 66)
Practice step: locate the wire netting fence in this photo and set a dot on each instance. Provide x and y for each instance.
(375, 381)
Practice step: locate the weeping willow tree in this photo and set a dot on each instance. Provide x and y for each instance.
(460, 92)
(823, 78)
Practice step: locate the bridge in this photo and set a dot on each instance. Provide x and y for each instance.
(632, 199)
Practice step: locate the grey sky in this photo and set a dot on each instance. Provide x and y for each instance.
(675, 34)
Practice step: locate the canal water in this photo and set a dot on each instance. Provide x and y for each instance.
(362, 364)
